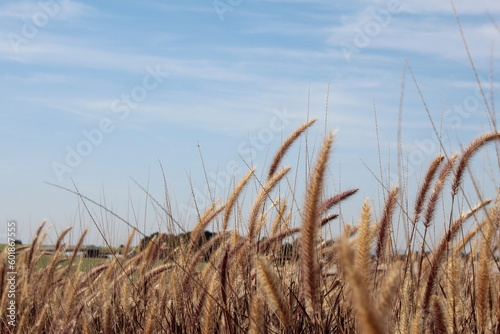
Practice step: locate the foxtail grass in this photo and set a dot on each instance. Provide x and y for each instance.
(278, 269)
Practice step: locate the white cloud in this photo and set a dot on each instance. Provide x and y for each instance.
(68, 10)
(38, 78)
(42, 53)
(440, 40)
(417, 35)
(464, 7)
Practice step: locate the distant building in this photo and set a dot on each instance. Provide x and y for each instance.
(92, 251)
(87, 251)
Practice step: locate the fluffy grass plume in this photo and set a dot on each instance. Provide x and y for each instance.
(308, 257)
(289, 273)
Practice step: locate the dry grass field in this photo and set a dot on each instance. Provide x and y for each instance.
(243, 282)
(270, 268)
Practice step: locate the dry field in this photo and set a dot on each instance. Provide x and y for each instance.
(244, 282)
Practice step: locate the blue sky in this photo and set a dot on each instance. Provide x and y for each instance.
(98, 93)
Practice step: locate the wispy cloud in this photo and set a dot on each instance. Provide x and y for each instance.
(37, 78)
(477, 7)
(433, 37)
(67, 10)
(115, 60)
(226, 80)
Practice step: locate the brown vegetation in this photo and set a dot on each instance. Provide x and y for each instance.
(242, 283)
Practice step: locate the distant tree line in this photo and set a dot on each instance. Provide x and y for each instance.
(169, 242)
